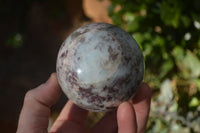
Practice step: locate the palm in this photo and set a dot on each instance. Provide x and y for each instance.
(130, 117)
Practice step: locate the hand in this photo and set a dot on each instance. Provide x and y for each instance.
(130, 117)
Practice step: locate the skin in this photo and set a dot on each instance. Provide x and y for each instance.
(130, 117)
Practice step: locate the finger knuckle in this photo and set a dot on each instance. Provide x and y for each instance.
(29, 95)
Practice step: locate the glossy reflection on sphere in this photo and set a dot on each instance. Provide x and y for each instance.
(99, 66)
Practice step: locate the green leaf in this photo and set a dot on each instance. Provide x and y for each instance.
(197, 82)
(178, 53)
(159, 127)
(166, 67)
(186, 21)
(139, 38)
(194, 102)
(187, 62)
(192, 62)
(173, 107)
(171, 12)
(129, 16)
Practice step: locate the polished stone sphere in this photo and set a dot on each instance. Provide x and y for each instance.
(99, 66)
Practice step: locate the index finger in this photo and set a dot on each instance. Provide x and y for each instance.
(35, 112)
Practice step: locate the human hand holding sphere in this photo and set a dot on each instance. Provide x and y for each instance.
(132, 112)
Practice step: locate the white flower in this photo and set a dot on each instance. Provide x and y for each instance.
(196, 24)
(187, 36)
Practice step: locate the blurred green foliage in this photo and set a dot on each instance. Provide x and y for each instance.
(15, 41)
(16, 12)
(168, 33)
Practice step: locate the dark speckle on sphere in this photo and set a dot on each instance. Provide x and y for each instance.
(99, 66)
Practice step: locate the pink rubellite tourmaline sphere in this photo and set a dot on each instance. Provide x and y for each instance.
(99, 66)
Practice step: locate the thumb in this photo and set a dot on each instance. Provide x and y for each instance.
(126, 118)
(36, 109)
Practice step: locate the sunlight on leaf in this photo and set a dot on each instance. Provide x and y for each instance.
(194, 102)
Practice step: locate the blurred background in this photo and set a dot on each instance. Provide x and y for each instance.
(168, 32)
